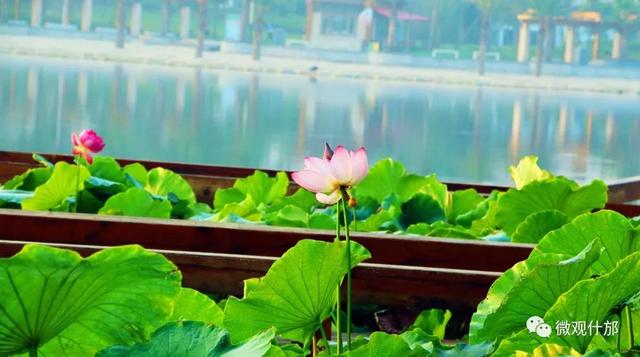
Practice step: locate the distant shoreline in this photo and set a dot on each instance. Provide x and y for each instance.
(181, 56)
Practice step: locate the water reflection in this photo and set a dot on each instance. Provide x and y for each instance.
(273, 121)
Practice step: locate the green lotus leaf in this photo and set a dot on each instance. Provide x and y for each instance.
(594, 299)
(390, 345)
(136, 175)
(301, 198)
(246, 209)
(107, 168)
(421, 208)
(263, 189)
(433, 322)
(467, 219)
(296, 295)
(64, 305)
(163, 182)
(464, 350)
(610, 229)
(541, 280)
(138, 203)
(191, 305)
(58, 188)
(227, 196)
(528, 171)
(289, 216)
(29, 180)
(537, 225)
(462, 202)
(373, 223)
(190, 339)
(382, 180)
(552, 194)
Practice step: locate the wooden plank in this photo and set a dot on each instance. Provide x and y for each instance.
(372, 283)
(247, 239)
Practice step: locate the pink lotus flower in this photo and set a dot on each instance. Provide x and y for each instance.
(87, 143)
(334, 174)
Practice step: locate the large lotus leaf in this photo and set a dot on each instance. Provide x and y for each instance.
(464, 350)
(373, 223)
(542, 280)
(262, 188)
(433, 322)
(384, 345)
(301, 198)
(421, 208)
(70, 306)
(382, 180)
(163, 182)
(29, 180)
(296, 295)
(462, 202)
(537, 225)
(611, 229)
(549, 350)
(595, 299)
(138, 203)
(191, 305)
(136, 175)
(60, 186)
(107, 168)
(294, 216)
(190, 339)
(225, 196)
(441, 230)
(246, 209)
(557, 193)
(528, 171)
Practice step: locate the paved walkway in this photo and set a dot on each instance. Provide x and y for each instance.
(136, 52)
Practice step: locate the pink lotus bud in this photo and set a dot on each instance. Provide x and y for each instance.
(86, 143)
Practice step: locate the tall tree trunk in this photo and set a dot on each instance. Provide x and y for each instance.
(540, 47)
(433, 25)
(120, 23)
(484, 34)
(3, 10)
(66, 12)
(257, 32)
(309, 25)
(166, 16)
(16, 9)
(549, 41)
(202, 13)
(244, 21)
(393, 21)
(624, 37)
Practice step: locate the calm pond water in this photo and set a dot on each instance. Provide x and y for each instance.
(273, 121)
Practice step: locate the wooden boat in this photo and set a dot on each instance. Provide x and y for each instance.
(216, 257)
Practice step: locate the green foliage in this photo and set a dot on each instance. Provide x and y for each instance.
(62, 304)
(166, 183)
(528, 171)
(552, 194)
(190, 305)
(296, 295)
(58, 188)
(191, 338)
(138, 203)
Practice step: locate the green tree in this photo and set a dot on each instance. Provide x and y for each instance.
(202, 26)
(544, 11)
(623, 13)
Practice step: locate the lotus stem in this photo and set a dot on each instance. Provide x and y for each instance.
(324, 338)
(348, 240)
(339, 290)
(629, 318)
(75, 204)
